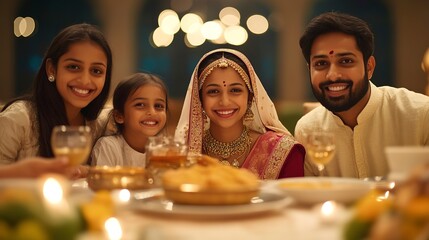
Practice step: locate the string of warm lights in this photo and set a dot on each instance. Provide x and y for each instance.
(226, 29)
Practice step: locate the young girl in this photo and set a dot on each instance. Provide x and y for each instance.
(228, 115)
(71, 88)
(140, 111)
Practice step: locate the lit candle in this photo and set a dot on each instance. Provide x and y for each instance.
(113, 229)
(329, 212)
(61, 216)
(121, 198)
(54, 191)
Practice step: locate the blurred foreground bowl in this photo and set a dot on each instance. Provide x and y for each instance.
(402, 160)
(118, 177)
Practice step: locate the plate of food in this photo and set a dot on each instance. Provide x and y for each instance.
(210, 188)
(312, 190)
(157, 203)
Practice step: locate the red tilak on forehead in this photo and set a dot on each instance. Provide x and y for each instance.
(331, 52)
(224, 84)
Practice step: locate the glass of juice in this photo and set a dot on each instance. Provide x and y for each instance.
(72, 141)
(163, 153)
(320, 146)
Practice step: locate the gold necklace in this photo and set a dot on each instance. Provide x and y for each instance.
(224, 150)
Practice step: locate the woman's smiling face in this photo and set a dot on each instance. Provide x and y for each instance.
(80, 74)
(225, 98)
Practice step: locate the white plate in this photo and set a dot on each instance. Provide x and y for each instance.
(312, 190)
(266, 201)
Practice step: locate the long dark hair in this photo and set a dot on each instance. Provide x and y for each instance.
(45, 100)
(129, 85)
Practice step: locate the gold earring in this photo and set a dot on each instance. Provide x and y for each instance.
(51, 78)
(205, 118)
(248, 116)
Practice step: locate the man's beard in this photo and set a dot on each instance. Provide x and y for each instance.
(345, 102)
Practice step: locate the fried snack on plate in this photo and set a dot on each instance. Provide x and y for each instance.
(210, 183)
(401, 214)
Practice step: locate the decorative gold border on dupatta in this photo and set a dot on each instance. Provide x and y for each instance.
(196, 123)
(278, 157)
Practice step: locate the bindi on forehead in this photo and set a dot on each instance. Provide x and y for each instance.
(224, 83)
(331, 52)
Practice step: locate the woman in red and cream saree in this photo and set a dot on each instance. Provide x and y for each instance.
(271, 152)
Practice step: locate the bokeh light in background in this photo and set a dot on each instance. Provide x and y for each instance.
(226, 29)
(169, 21)
(229, 16)
(24, 27)
(236, 35)
(194, 39)
(257, 24)
(212, 30)
(191, 23)
(161, 39)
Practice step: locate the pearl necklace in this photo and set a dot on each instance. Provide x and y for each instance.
(224, 150)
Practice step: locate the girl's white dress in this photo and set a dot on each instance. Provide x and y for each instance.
(114, 150)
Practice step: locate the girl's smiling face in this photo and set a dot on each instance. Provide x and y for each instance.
(144, 112)
(80, 74)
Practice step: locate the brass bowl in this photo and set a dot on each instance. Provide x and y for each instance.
(192, 194)
(118, 177)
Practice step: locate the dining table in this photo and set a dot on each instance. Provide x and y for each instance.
(281, 218)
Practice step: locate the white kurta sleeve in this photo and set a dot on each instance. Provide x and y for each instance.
(16, 139)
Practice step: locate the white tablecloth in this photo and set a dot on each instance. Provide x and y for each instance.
(295, 221)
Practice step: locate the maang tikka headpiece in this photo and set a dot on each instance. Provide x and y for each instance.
(224, 63)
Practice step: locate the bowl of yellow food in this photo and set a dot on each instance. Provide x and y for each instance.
(210, 184)
(312, 190)
(118, 177)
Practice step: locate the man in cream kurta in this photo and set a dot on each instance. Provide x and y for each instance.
(392, 117)
(339, 50)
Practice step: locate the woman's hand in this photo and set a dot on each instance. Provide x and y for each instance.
(34, 167)
(80, 171)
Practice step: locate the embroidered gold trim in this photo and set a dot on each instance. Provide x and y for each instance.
(278, 157)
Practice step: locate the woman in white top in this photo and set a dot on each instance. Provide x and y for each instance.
(140, 111)
(71, 88)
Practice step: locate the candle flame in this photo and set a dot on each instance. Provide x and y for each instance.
(52, 191)
(113, 228)
(328, 208)
(124, 195)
